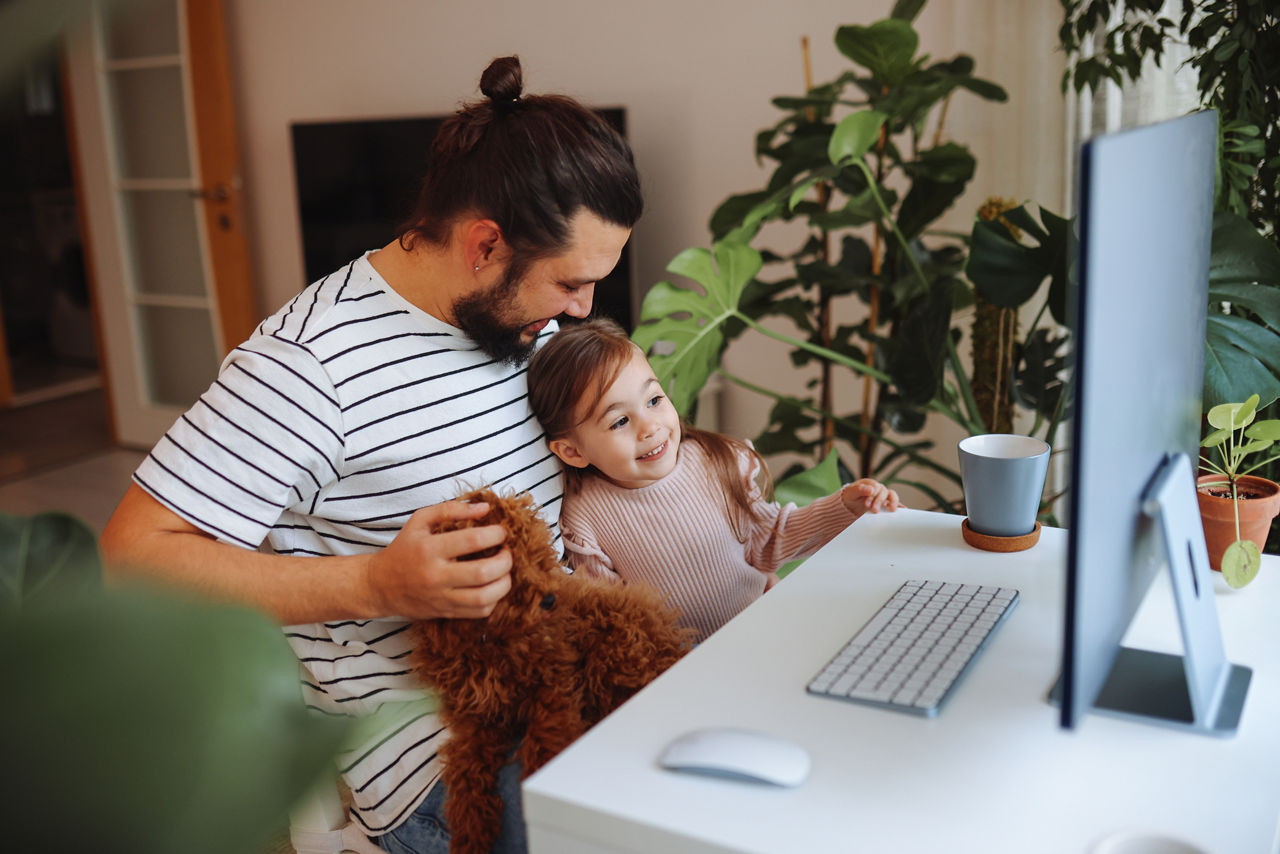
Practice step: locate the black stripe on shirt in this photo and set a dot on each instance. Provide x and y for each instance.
(480, 465)
(429, 430)
(477, 440)
(428, 379)
(355, 321)
(168, 437)
(206, 525)
(373, 748)
(232, 453)
(287, 399)
(315, 298)
(378, 341)
(260, 441)
(328, 397)
(303, 439)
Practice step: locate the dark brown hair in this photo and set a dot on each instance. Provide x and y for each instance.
(529, 163)
(570, 374)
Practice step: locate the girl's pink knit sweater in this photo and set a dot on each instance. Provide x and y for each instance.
(675, 535)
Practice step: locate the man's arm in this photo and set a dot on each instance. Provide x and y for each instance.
(419, 575)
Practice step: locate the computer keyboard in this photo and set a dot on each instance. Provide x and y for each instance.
(912, 653)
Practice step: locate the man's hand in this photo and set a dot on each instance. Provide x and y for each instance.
(420, 575)
(423, 574)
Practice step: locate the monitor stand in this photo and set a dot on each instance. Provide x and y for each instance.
(1199, 691)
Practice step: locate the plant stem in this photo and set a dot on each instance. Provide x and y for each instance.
(970, 420)
(840, 358)
(808, 407)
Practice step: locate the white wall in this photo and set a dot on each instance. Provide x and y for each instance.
(696, 77)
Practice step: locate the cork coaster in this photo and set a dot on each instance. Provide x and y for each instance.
(986, 542)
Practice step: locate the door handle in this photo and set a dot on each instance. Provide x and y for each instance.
(220, 193)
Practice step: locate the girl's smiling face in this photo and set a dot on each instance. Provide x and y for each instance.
(633, 434)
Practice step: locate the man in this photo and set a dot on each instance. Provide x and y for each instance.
(308, 480)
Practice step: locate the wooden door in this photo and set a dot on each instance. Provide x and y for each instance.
(159, 174)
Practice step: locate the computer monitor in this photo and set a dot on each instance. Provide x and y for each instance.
(1139, 307)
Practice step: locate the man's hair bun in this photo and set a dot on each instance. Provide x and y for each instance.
(503, 81)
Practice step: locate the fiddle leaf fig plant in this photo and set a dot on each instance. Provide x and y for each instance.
(1238, 438)
(862, 282)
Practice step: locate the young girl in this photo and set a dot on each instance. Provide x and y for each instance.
(651, 499)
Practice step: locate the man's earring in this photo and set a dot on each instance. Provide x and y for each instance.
(477, 268)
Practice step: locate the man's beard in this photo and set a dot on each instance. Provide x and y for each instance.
(480, 315)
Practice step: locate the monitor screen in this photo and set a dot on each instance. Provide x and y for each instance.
(357, 182)
(1139, 307)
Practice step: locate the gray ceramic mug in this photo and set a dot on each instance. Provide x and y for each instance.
(1003, 476)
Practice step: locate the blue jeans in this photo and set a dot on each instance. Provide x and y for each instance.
(425, 832)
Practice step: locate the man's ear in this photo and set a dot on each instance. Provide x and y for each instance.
(568, 453)
(482, 243)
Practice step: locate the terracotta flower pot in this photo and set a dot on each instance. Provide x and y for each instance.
(1256, 513)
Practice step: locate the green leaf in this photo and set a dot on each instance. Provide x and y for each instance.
(984, 89)
(810, 485)
(801, 190)
(689, 324)
(801, 102)
(1232, 416)
(1008, 273)
(45, 556)
(176, 724)
(1215, 438)
(1240, 255)
(1241, 357)
(855, 135)
(906, 10)
(918, 350)
(1266, 430)
(948, 162)
(1241, 562)
(925, 202)
(733, 211)
(886, 48)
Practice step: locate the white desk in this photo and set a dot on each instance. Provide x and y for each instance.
(992, 773)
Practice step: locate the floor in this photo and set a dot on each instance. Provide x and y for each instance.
(57, 455)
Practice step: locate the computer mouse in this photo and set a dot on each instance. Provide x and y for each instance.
(738, 754)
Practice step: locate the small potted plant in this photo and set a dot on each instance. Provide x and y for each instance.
(1235, 506)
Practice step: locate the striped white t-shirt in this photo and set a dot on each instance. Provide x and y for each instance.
(344, 413)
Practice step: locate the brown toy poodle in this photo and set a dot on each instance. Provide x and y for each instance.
(558, 653)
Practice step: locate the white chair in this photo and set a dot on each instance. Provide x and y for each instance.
(319, 825)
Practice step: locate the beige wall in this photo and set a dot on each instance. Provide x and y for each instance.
(696, 77)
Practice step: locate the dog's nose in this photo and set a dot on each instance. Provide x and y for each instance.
(548, 601)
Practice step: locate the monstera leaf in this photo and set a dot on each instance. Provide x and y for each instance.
(1008, 272)
(1242, 354)
(43, 557)
(681, 329)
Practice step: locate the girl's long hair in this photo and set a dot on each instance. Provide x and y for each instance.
(571, 373)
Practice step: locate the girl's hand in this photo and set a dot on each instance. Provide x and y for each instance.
(868, 496)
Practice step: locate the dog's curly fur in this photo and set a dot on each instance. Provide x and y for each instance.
(558, 653)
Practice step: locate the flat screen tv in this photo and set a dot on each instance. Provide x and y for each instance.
(357, 181)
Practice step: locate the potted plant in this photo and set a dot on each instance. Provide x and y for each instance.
(855, 165)
(1235, 506)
